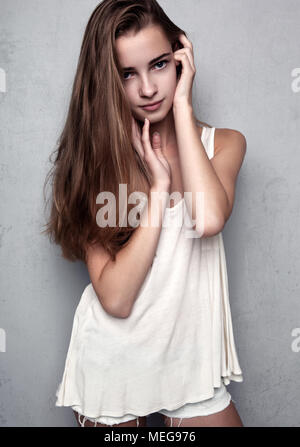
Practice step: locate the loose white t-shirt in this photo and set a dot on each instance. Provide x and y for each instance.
(176, 346)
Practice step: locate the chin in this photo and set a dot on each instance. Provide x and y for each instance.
(157, 116)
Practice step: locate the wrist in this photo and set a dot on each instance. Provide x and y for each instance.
(161, 187)
(182, 105)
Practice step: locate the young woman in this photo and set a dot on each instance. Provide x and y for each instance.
(152, 331)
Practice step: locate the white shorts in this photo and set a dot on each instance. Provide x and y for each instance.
(218, 402)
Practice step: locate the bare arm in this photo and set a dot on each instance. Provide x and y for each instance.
(119, 282)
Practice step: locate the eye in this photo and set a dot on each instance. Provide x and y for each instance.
(161, 62)
(125, 79)
(161, 68)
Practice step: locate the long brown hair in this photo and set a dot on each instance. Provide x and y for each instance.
(95, 152)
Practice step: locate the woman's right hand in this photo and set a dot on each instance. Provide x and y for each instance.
(153, 156)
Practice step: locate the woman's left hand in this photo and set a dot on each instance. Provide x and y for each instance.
(184, 87)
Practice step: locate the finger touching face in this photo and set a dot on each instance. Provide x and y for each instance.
(148, 72)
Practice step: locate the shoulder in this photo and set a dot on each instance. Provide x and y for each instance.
(229, 138)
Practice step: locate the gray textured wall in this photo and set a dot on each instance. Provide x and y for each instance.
(247, 54)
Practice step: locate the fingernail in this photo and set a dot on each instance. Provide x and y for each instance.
(155, 133)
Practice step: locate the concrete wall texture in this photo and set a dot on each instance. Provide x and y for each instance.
(248, 78)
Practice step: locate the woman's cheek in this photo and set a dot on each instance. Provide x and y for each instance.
(173, 75)
(130, 94)
(172, 82)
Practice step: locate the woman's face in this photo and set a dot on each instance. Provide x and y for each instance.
(147, 81)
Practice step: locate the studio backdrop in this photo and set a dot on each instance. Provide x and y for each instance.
(248, 78)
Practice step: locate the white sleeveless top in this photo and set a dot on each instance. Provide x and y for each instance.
(177, 344)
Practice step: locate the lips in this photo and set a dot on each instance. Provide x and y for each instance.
(153, 106)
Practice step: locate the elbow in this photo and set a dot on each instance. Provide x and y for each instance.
(211, 228)
(118, 310)
(114, 307)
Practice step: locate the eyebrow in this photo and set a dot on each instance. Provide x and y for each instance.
(150, 63)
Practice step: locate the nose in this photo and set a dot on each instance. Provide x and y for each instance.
(148, 87)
